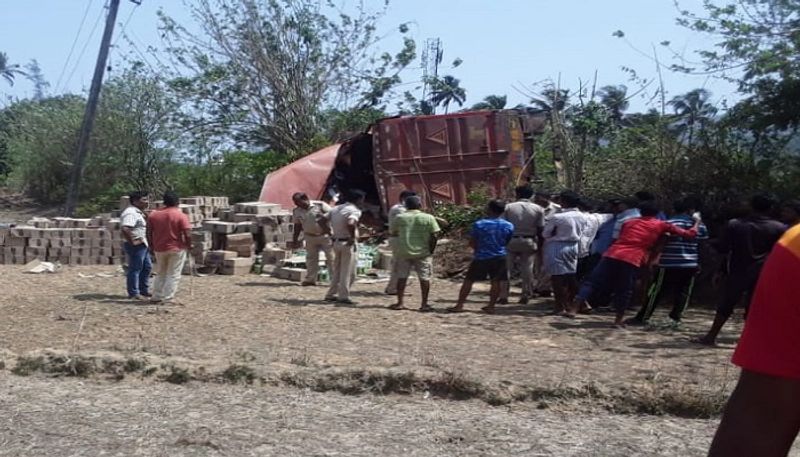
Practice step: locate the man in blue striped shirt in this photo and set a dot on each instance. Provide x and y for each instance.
(677, 268)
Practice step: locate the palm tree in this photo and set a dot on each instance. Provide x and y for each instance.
(447, 90)
(552, 100)
(693, 108)
(615, 100)
(8, 71)
(491, 102)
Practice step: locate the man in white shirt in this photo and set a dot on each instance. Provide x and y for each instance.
(134, 232)
(543, 286)
(344, 227)
(307, 217)
(591, 224)
(394, 211)
(528, 220)
(562, 235)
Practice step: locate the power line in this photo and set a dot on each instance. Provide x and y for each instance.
(74, 42)
(122, 30)
(85, 45)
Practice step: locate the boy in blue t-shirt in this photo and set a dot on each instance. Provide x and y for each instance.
(489, 237)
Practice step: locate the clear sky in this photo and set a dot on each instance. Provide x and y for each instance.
(503, 43)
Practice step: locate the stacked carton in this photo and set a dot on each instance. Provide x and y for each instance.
(64, 240)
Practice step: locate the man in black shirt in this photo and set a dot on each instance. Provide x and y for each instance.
(747, 242)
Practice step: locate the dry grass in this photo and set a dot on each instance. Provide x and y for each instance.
(268, 335)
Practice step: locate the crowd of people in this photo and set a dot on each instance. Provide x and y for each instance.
(628, 254)
(624, 254)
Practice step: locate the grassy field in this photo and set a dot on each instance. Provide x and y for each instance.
(252, 365)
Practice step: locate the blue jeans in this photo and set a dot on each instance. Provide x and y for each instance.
(139, 268)
(610, 275)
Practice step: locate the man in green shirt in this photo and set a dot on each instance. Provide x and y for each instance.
(416, 239)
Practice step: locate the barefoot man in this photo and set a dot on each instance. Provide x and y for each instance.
(415, 239)
(489, 238)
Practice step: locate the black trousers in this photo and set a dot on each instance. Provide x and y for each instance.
(676, 283)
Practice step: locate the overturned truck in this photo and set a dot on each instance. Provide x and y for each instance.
(441, 157)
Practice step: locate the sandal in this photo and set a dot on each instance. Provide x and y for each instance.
(488, 309)
(425, 309)
(396, 307)
(454, 310)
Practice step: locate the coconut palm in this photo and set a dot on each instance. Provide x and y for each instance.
(447, 90)
(693, 108)
(491, 102)
(615, 100)
(552, 100)
(7, 70)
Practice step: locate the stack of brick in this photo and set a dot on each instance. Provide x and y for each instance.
(62, 242)
(207, 207)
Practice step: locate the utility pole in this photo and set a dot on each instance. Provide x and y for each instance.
(91, 109)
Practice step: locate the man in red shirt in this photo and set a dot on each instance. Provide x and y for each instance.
(170, 234)
(621, 262)
(762, 417)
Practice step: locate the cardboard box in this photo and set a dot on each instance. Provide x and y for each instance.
(243, 217)
(239, 239)
(38, 242)
(22, 231)
(65, 251)
(58, 233)
(103, 243)
(60, 242)
(35, 253)
(15, 260)
(291, 274)
(245, 227)
(238, 262)
(235, 271)
(80, 251)
(14, 251)
(101, 252)
(216, 258)
(88, 260)
(219, 226)
(81, 243)
(16, 241)
(272, 256)
(243, 251)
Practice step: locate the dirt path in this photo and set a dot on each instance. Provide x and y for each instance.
(574, 376)
(66, 418)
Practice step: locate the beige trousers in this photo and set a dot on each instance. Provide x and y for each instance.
(521, 252)
(315, 244)
(391, 288)
(344, 270)
(169, 266)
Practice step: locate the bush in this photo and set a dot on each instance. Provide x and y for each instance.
(238, 175)
(459, 217)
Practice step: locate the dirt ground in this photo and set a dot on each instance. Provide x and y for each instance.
(516, 383)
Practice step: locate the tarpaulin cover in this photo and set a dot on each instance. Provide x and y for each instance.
(307, 175)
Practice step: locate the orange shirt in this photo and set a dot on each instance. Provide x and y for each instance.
(166, 225)
(770, 343)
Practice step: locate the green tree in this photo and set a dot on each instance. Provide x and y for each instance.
(492, 102)
(447, 90)
(8, 70)
(261, 73)
(35, 76)
(693, 111)
(615, 100)
(757, 46)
